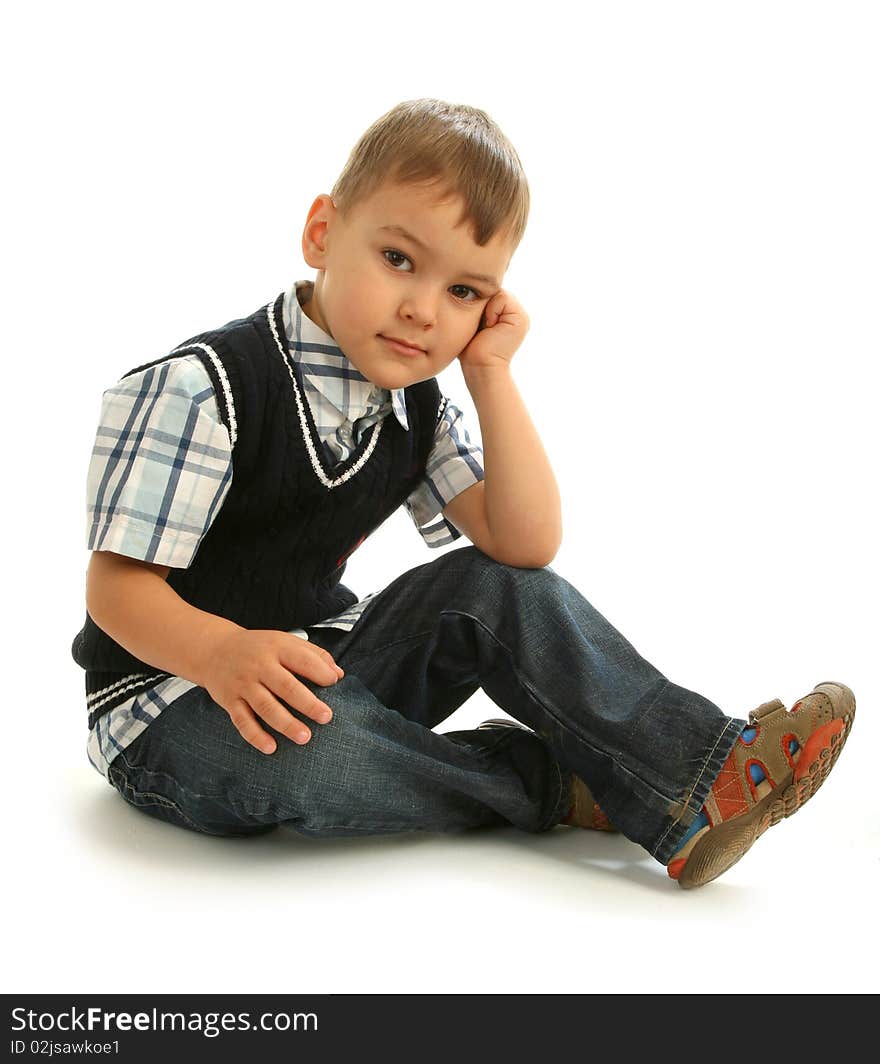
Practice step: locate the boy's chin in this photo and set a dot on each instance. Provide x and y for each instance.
(396, 378)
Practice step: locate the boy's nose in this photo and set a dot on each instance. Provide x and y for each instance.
(419, 310)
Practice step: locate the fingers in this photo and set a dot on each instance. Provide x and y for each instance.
(496, 306)
(242, 716)
(328, 657)
(285, 686)
(313, 662)
(504, 305)
(266, 706)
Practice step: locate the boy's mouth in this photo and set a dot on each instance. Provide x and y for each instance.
(403, 347)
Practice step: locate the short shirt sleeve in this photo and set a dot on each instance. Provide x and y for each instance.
(161, 464)
(454, 464)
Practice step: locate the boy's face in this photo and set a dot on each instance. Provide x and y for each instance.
(375, 282)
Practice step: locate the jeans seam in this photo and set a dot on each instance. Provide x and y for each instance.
(351, 661)
(165, 776)
(371, 829)
(483, 575)
(159, 800)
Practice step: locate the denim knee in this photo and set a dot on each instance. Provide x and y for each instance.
(505, 584)
(338, 782)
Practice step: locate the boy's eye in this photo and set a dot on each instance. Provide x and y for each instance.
(467, 288)
(397, 254)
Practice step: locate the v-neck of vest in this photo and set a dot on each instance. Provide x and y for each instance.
(344, 470)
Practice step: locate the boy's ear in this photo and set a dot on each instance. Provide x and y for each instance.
(314, 237)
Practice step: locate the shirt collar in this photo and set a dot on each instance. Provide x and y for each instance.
(344, 386)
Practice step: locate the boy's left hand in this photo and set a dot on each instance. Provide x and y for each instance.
(503, 328)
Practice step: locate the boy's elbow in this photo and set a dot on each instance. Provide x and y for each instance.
(532, 557)
(541, 554)
(539, 561)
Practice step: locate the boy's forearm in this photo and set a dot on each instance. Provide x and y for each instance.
(138, 609)
(523, 509)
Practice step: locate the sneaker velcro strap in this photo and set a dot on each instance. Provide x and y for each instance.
(765, 712)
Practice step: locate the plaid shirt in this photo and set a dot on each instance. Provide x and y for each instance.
(161, 466)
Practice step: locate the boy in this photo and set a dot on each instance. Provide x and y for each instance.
(235, 684)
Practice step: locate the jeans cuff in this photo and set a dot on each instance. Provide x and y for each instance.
(670, 841)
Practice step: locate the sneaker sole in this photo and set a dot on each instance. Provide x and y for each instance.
(721, 847)
(500, 722)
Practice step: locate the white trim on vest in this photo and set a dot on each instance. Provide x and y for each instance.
(304, 427)
(140, 677)
(224, 380)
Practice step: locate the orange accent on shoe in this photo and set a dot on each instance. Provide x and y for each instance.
(753, 787)
(600, 820)
(674, 868)
(728, 791)
(818, 741)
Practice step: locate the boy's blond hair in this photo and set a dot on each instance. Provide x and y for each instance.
(459, 147)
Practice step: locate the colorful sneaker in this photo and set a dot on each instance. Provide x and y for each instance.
(584, 811)
(778, 763)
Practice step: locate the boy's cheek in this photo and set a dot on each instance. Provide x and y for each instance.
(437, 365)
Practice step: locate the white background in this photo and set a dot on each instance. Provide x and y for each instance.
(701, 273)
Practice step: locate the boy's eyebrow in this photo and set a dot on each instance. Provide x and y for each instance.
(485, 278)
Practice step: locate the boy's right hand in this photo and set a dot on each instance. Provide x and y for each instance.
(244, 670)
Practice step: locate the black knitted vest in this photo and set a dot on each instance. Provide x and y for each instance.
(275, 553)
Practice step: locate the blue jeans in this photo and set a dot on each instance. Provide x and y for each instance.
(648, 749)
